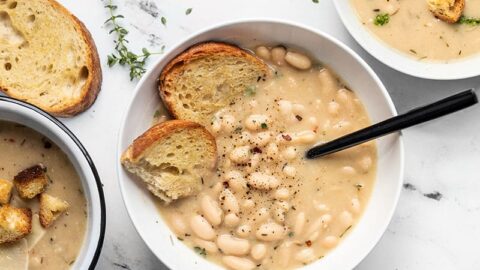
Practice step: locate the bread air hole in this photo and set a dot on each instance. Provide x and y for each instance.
(83, 73)
(8, 66)
(12, 5)
(31, 18)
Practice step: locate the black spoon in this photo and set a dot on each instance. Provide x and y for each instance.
(414, 117)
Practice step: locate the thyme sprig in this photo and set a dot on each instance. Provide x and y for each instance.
(123, 56)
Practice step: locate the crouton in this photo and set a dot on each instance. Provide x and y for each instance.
(31, 181)
(5, 191)
(447, 10)
(15, 223)
(50, 209)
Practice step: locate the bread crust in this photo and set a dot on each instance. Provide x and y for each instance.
(94, 81)
(197, 51)
(160, 131)
(453, 15)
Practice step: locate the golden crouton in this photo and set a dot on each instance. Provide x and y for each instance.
(31, 182)
(447, 10)
(5, 191)
(15, 223)
(50, 209)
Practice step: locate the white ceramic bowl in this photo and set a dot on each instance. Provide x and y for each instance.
(346, 63)
(458, 69)
(28, 115)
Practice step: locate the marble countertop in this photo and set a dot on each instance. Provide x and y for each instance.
(436, 224)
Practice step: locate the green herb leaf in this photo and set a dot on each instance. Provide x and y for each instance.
(200, 251)
(469, 21)
(315, 1)
(264, 126)
(188, 11)
(250, 91)
(291, 234)
(164, 21)
(381, 19)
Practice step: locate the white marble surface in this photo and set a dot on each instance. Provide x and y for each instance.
(436, 225)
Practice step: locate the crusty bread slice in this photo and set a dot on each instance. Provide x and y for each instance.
(447, 10)
(172, 158)
(51, 208)
(206, 78)
(15, 223)
(47, 57)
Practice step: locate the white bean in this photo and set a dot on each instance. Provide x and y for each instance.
(228, 201)
(211, 210)
(216, 125)
(237, 263)
(328, 81)
(262, 214)
(232, 245)
(279, 215)
(330, 241)
(306, 255)
(289, 153)
(348, 170)
(270, 231)
(258, 251)
(240, 155)
(306, 136)
(209, 246)
(298, 108)
(248, 204)
(284, 253)
(228, 123)
(289, 171)
(285, 107)
(256, 122)
(179, 226)
(318, 224)
(300, 220)
(282, 194)
(355, 206)
(365, 163)
(312, 120)
(320, 206)
(346, 218)
(244, 230)
(202, 228)
(231, 220)
(254, 162)
(217, 188)
(278, 55)
(263, 181)
(262, 138)
(333, 108)
(272, 150)
(298, 60)
(263, 52)
(236, 181)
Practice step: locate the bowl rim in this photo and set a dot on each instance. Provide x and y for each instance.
(89, 160)
(399, 61)
(227, 23)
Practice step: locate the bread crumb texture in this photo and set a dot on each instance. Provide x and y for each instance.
(47, 57)
(15, 223)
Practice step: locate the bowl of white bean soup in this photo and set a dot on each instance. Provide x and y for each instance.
(265, 206)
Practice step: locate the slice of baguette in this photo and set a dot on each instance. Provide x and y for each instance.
(206, 78)
(447, 10)
(172, 158)
(47, 57)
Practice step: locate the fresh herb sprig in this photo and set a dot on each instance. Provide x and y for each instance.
(381, 19)
(469, 21)
(123, 56)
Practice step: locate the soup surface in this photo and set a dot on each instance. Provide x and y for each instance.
(266, 206)
(58, 246)
(412, 28)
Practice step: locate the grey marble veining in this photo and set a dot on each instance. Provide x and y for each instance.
(436, 224)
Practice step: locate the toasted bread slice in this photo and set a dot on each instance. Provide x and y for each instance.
(171, 158)
(50, 209)
(48, 57)
(31, 181)
(447, 10)
(206, 78)
(15, 223)
(5, 191)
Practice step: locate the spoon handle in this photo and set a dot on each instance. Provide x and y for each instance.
(414, 117)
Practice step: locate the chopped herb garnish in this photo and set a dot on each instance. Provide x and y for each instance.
(188, 11)
(157, 114)
(469, 21)
(359, 186)
(250, 91)
(164, 21)
(344, 232)
(264, 126)
(381, 19)
(200, 251)
(413, 51)
(315, 1)
(291, 234)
